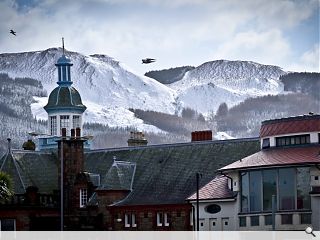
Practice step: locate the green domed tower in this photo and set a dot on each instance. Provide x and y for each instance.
(64, 106)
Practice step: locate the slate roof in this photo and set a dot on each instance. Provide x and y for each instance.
(166, 174)
(279, 156)
(298, 124)
(217, 189)
(30, 168)
(159, 174)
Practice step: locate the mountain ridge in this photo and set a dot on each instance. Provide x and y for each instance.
(109, 89)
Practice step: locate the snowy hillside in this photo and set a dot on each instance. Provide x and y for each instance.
(207, 86)
(109, 89)
(106, 86)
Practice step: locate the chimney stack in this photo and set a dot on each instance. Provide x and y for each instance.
(137, 139)
(201, 136)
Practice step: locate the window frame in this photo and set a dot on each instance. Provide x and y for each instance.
(14, 224)
(53, 126)
(64, 122)
(76, 121)
(83, 197)
(293, 140)
(159, 219)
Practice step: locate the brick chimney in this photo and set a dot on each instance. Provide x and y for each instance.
(201, 136)
(72, 155)
(137, 139)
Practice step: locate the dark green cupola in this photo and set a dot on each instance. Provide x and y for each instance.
(64, 106)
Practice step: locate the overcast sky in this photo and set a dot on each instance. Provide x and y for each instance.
(175, 32)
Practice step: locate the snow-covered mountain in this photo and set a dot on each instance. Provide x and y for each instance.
(109, 89)
(208, 85)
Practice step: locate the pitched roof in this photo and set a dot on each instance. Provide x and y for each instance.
(10, 166)
(166, 174)
(216, 189)
(299, 124)
(278, 157)
(30, 168)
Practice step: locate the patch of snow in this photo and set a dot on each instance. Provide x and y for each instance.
(222, 136)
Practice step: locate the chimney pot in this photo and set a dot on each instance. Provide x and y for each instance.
(78, 132)
(64, 132)
(73, 133)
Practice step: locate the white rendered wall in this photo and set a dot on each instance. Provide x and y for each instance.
(227, 213)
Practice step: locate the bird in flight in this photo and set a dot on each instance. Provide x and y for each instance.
(13, 32)
(148, 60)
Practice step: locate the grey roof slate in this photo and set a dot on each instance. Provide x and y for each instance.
(32, 169)
(166, 174)
(159, 174)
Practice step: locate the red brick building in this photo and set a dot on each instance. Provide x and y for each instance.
(132, 188)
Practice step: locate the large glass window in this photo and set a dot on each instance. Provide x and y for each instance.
(244, 192)
(53, 125)
(286, 188)
(303, 188)
(269, 188)
(291, 186)
(255, 191)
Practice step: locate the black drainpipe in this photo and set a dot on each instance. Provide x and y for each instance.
(229, 178)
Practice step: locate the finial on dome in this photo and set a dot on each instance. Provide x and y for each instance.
(63, 45)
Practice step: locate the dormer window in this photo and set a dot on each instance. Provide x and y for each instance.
(293, 140)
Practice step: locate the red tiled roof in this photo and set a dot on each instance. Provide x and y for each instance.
(216, 189)
(290, 125)
(278, 157)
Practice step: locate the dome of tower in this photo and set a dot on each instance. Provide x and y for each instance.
(63, 60)
(65, 97)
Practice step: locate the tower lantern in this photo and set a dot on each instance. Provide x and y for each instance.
(64, 108)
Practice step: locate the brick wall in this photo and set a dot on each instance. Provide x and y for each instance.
(146, 217)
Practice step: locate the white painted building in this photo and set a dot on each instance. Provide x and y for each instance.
(288, 166)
